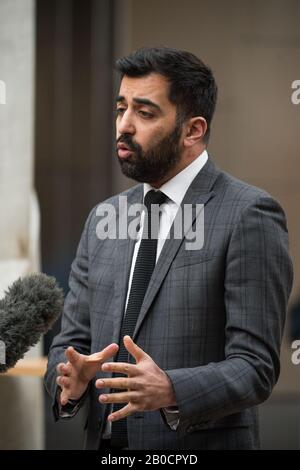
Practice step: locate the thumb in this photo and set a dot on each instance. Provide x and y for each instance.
(72, 355)
(106, 353)
(134, 349)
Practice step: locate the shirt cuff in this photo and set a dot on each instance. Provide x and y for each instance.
(171, 414)
(71, 408)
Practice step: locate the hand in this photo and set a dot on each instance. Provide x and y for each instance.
(75, 375)
(146, 388)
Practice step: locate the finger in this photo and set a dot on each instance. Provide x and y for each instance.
(106, 353)
(134, 349)
(121, 367)
(58, 379)
(66, 369)
(64, 397)
(123, 397)
(122, 413)
(59, 369)
(118, 383)
(63, 381)
(72, 355)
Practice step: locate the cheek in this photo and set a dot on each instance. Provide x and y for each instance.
(118, 133)
(150, 138)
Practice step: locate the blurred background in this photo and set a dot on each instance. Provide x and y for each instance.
(57, 157)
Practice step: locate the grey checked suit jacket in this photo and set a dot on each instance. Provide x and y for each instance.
(211, 318)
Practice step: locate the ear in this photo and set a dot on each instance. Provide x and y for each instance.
(195, 130)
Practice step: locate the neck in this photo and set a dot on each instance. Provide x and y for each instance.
(185, 161)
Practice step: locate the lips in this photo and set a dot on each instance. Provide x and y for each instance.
(124, 151)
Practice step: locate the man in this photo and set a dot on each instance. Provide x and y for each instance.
(174, 344)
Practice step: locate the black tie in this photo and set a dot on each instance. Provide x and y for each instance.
(144, 266)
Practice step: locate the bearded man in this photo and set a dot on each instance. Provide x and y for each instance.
(174, 345)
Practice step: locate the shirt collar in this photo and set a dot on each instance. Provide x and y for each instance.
(177, 186)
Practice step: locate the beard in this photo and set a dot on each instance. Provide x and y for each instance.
(155, 163)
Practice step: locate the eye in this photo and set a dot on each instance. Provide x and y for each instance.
(120, 111)
(145, 114)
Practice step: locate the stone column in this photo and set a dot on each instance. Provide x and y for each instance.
(21, 402)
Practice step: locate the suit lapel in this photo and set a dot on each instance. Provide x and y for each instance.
(199, 192)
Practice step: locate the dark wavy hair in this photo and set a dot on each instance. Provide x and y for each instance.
(192, 85)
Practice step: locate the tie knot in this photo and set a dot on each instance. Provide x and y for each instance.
(154, 197)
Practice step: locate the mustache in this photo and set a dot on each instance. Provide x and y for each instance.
(127, 139)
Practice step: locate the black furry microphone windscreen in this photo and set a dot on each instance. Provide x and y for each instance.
(29, 308)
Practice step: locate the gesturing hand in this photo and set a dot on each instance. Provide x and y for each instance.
(75, 375)
(146, 387)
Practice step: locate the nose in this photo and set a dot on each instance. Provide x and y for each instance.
(125, 124)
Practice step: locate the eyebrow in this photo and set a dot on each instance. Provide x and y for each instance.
(144, 101)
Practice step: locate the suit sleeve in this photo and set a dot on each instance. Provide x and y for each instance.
(257, 284)
(75, 326)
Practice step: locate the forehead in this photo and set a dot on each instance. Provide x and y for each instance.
(154, 87)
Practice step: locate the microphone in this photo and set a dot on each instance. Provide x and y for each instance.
(28, 310)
